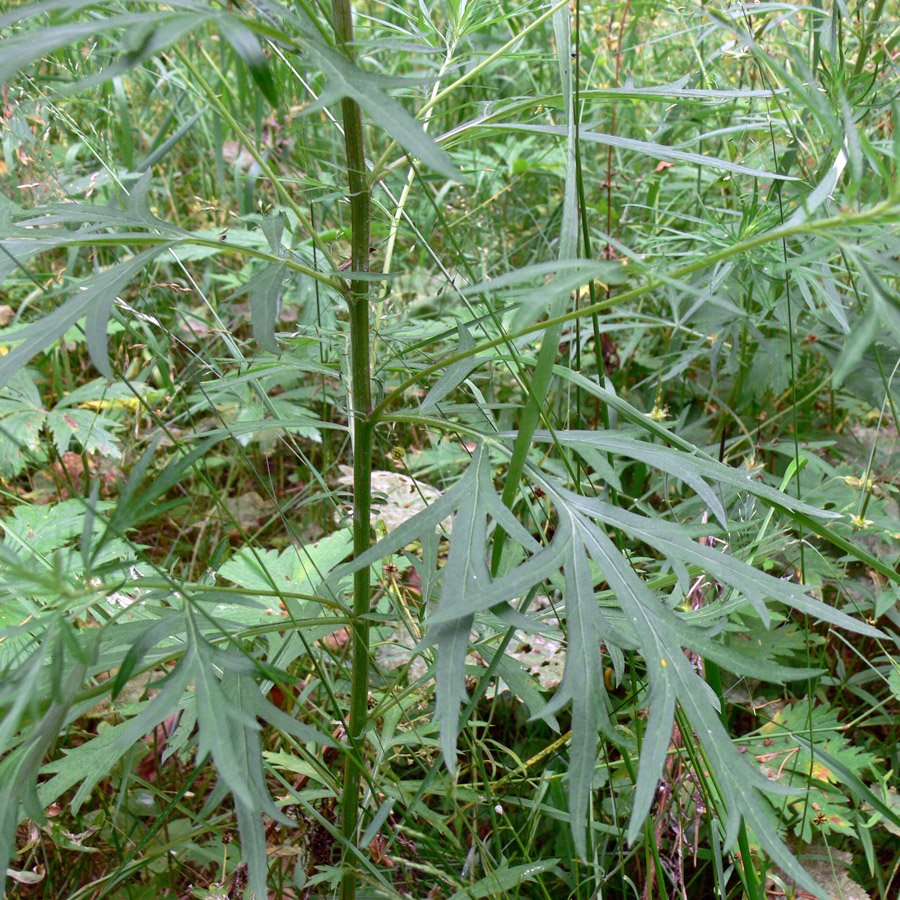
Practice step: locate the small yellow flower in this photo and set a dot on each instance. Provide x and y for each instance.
(659, 413)
(860, 522)
(854, 482)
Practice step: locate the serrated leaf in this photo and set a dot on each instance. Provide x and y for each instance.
(40, 530)
(248, 748)
(465, 572)
(851, 782)
(93, 760)
(775, 499)
(227, 713)
(21, 418)
(89, 429)
(295, 568)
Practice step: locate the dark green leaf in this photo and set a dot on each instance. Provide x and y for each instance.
(246, 45)
(264, 289)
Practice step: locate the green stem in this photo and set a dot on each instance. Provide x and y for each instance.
(361, 406)
(866, 43)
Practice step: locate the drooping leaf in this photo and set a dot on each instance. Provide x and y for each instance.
(228, 707)
(153, 30)
(366, 88)
(246, 45)
(673, 680)
(643, 148)
(670, 539)
(568, 250)
(776, 499)
(19, 766)
(821, 192)
(658, 633)
(264, 290)
(583, 685)
(466, 578)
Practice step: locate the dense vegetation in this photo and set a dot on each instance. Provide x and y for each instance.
(449, 449)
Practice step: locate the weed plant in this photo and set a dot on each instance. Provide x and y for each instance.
(449, 449)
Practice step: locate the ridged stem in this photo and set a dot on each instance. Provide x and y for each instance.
(361, 410)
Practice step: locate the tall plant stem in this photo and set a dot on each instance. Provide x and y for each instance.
(361, 406)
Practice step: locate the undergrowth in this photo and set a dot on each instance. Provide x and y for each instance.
(449, 450)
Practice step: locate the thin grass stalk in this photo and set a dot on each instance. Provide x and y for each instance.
(361, 410)
(398, 213)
